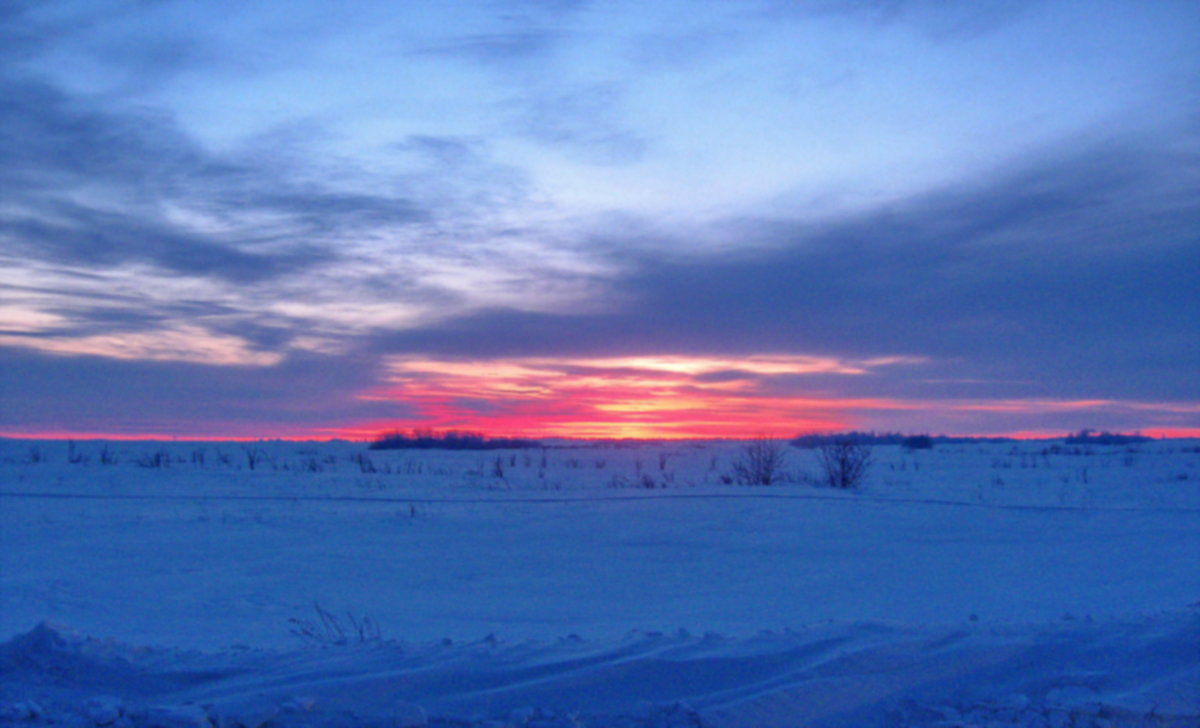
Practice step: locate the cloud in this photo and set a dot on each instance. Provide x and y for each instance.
(181, 343)
(1066, 275)
(1071, 263)
(507, 32)
(583, 121)
(86, 187)
(86, 236)
(303, 395)
(101, 187)
(118, 217)
(545, 92)
(517, 45)
(936, 20)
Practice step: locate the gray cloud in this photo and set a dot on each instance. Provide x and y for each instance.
(1071, 275)
(56, 150)
(517, 45)
(83, 393)
(936, 20)
(526, 30)
(85, 236)
(90, 188)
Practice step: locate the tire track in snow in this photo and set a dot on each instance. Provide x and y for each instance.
(595, 499)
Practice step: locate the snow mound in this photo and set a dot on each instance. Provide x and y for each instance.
(1132, 673)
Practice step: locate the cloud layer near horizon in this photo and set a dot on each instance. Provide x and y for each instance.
(203, 233)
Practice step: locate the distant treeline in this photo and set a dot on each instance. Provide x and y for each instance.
(1091, 437)
(925, 442)
(449, 440)
(912, 442)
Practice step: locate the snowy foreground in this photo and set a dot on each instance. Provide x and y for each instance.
(172, 584)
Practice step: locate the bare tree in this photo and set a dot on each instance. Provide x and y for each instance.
(760, 462)
(844, 462)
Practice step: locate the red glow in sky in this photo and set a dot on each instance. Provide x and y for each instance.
(637, 397)
(661, 397)
(655, 397)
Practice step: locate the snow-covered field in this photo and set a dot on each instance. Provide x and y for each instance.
(1027, 584)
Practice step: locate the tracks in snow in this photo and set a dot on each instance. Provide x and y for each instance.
(392, 500)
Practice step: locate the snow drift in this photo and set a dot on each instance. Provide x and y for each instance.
(1142, 672)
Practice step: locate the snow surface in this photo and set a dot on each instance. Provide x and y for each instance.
(1028, 584)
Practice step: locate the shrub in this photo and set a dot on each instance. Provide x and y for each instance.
(917, 442)
(365, 464)
(254, 456)
(760, 462)
(107, 456)
(158, 459)
(328, 630)
(844, 462)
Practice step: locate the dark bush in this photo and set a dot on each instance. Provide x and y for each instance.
(760, 462)
(844, 462)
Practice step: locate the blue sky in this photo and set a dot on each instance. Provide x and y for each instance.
(290, 219)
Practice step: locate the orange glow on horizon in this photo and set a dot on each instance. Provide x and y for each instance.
(670, 397)
(1172, 433)
(653, 397)
(661, 397)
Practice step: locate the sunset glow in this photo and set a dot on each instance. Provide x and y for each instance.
(662, 398)
(621, 397)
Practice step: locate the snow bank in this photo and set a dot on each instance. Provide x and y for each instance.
(1142, 672)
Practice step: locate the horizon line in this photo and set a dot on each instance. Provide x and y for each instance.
(1182, 433)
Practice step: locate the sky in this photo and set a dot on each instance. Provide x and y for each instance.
(598, 219)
